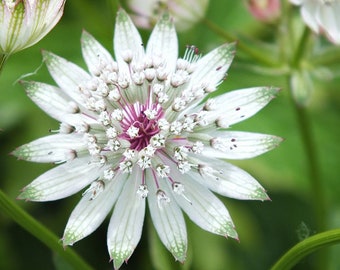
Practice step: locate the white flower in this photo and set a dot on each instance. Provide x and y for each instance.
(185, 13)
(175, 168)
(322, 16)
(265, 10)
(25, 22)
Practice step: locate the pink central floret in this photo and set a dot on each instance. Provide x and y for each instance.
(135, 116)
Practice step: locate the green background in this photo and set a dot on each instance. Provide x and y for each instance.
(266, 229)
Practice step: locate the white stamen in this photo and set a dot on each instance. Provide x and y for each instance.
(210, 105)
(157, 88)
(149, 151)
(126, 166)
(104, 118)
(163, 124)
(189, 124)
(184, 166)
(127, 56)
(150, 74)
(162, 97)
(176, 127)
(181, 153)
(163, 170)
(197, 147)
(117, 115)
(113, 145)
(150, 114)
(114, 95)
(108, 174)
(158, 140)
(144, 162)
(130, 154)
(132, 132)
(103, 89)
(111, 132)
(143, 191)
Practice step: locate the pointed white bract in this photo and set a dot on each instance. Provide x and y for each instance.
(24, 23)
(142, 128)
(322, 16)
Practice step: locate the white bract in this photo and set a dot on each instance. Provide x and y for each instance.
(25, 22)
(322, 16)
(123, 143)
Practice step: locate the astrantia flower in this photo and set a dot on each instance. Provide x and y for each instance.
(25, 22)
(322, 16)
(185, 13)
(139, 128)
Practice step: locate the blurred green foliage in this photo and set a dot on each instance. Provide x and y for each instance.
(266, 229)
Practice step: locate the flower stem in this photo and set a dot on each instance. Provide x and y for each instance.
(253, 53)
(313, 167)
(301, 48)
(307, 138)
(40, 232)
(3, 58)
(305, 247)
(306, 134)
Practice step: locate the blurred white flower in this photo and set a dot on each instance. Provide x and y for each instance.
(25, 22)
(265, 10)
(185, 13)
(141, 129)
(322, 16)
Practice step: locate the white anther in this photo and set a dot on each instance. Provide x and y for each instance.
(157, 140)
(130, 154)
(183, 166)
(104, 118)
(127, 56)
(144, 162)
(176, 128)
(163, 170)
(100, 105)
(111, 132)
(163, 124)
(197, 147)
(143, 191)
(150, 114)
(150, 74)
(132, 132)
(108, 174)
(113, 145)
(126, 166)
(117, 115)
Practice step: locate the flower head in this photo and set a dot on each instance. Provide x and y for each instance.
(25, 22)
(185, 13)
(139, 128)
(322, 16)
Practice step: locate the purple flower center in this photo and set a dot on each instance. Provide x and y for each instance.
(140, 123)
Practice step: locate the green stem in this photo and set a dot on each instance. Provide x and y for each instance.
(253, 53)
(3, 58)
(40, 232)
(301, 48)
(313, 167)
(307, 139)
(305, 247)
